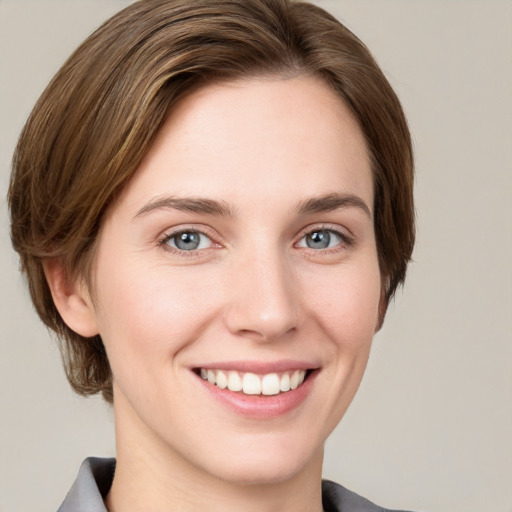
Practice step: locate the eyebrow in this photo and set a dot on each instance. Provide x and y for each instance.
(187, 204)
(334, 201)
(327, 202)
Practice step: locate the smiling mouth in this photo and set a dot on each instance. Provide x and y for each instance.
(248, 383)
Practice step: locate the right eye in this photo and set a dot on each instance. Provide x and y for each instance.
(320, 239)
(189, 240)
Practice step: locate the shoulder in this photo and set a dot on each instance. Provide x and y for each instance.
(337, 499)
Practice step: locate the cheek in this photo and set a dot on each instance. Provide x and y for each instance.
(151, 313)
(346, 301)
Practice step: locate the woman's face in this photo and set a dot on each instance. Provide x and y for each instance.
(241, 255)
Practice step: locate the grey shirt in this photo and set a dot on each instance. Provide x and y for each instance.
(96, 475)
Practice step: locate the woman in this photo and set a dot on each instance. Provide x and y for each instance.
(212, 202)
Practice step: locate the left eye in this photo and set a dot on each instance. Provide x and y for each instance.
(189, 241)
(320, 239)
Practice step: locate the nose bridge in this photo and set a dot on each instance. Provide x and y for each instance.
(264, 300)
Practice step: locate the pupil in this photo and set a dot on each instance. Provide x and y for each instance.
(319, 240)
(187, 241)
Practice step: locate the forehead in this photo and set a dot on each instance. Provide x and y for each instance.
(257, 138)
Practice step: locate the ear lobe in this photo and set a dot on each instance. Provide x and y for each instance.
(71, 299)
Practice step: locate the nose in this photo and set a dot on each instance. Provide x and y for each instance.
(263, 302)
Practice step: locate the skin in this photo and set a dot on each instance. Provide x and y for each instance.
(253, 291)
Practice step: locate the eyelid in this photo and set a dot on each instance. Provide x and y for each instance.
(347, 238)
(204, 241)
(183, 228)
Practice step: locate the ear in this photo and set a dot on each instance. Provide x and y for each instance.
(383, 307)
(72, 299)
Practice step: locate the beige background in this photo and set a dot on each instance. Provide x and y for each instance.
(431, 428)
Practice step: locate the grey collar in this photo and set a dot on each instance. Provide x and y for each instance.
(96, 474)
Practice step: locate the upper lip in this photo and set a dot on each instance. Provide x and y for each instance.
(260, 367)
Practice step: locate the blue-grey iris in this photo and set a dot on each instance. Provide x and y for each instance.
(318, 240)
(187, 241)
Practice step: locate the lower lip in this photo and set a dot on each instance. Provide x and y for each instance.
(261, 406)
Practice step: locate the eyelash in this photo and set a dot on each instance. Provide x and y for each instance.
(346, 240)
(163, 241)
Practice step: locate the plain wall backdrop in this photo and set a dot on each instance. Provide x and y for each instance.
(431, 427)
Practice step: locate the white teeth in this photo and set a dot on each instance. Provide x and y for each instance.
(234, 381)
(297, 379)
(222, 380)
(252, 384)
(294, 381)
(285, 383)
(270, 384)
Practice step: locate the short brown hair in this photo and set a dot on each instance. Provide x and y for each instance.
(98, 117)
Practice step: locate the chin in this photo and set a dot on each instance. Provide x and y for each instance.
(266, 466)
(258, 475)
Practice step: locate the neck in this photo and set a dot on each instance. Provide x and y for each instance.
(163, 491)
(150, 475)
